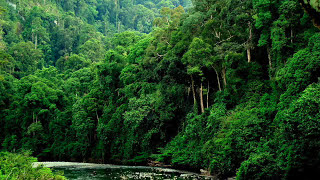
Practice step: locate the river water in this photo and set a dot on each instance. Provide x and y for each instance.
(88, 171)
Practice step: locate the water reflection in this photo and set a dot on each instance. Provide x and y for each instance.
(83, 171)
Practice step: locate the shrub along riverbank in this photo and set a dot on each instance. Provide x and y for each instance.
(15, 166)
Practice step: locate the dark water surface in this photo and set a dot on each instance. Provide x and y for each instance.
(82, 171)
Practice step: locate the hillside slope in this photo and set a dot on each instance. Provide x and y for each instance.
(229, 86)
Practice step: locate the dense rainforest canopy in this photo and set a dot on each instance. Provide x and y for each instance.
(230, 86)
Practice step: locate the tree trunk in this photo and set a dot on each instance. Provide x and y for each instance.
(218, 79)
(224, 76)
(291, 35)
(98, 119)
(201, 98)
(96, 130)
(106, 28)
(269, 57)
(117, 7)
(208, 94)
(249, 43)
(102, 156)
(32, 36)
(249, 54)
(36, 42)
(193, 92)
(270, 62)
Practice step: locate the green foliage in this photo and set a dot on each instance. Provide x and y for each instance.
(19, 166)
(189, 148)
(258, 166)
(298, 128)
(196, 56)
(93, 49)
(74, 62)
(300, 71)
(28, 59)
(122, 82)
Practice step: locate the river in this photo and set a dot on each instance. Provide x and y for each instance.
(89, 171)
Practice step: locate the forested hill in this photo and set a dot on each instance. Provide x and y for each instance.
(229, 86)
(107, 16)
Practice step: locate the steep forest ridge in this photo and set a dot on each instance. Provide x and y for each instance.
(230, 86)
